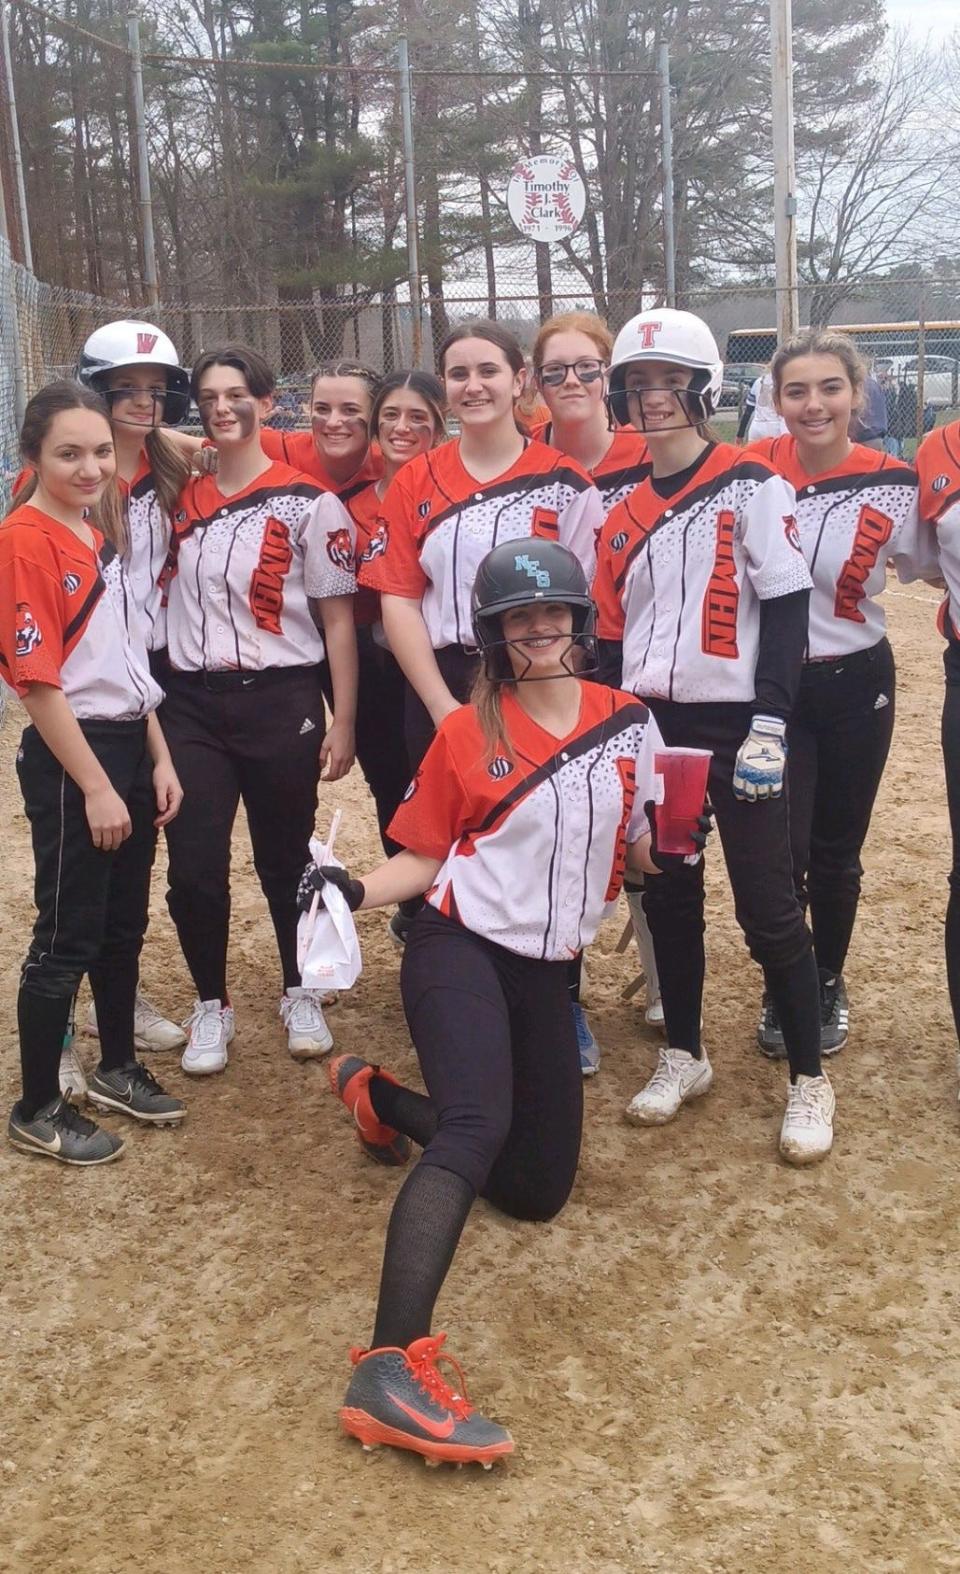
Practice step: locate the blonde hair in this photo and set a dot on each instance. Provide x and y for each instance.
(170, 469)
(485, 697)
(821, 341)
(587, 323)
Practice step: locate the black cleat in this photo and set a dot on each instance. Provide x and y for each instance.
(135, 1091)
(62, 1133)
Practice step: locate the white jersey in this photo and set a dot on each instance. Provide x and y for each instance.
(938, 467)
(244, 569)
(68, 619)
(148, 547)
(438, 524)
(853, 520)
(533, 848)
(680, 579)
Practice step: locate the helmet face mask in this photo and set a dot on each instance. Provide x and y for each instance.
(129, 344)
(672, 338)
(518, 574)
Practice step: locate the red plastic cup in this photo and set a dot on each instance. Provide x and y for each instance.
(684, 774)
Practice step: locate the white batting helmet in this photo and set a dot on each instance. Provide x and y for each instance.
(680, 339)
(131, 343)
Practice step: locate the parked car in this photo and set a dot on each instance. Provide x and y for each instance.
(941, 376)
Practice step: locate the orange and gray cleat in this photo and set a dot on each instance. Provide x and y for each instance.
(350, 1082)
(401, 1398)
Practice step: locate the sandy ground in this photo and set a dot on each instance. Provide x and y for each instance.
(710, 1362)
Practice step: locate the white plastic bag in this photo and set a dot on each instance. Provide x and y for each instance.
(328, 951)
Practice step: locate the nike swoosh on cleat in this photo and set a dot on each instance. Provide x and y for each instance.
(438, 1429)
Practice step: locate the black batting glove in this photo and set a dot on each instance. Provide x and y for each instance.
(670, 862)
(314, 879)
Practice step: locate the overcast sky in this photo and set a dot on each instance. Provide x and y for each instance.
(923, 17)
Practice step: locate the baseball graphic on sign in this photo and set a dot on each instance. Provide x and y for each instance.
(546, 197)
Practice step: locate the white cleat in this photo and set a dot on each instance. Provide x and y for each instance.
(211, 1028)
(807, 1131)
(653, 1014)
(677, 1079)
(151, 1029)
(73, 1078)
(308, 1036)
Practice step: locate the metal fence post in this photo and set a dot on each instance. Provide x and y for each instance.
(413, 249)
(784, 172)
(15, 138)
(666, 162)
(150, 279)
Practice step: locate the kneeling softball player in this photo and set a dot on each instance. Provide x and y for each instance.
(525, 813)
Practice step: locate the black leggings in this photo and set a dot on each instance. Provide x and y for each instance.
(950, 738)
(496, 1044)
(756, 847)
(91, 906)
(261, 744)
(839, 738)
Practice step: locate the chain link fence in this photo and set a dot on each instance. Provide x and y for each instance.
(907, 329)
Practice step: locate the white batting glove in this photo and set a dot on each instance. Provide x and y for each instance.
(761, 760)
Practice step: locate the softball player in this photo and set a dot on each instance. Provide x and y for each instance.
(257, 548)
(856, 510)
(336, 452)
(547, 777)
(700, 574)
(938, 468)
(94, 769)
(406, 419)
(136, 369)
(570, 359)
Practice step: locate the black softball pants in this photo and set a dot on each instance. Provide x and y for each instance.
(91, 906)
(380, 730)
(839, 738)
(756, 847)
(503, 1114)
(261, 744)
(458, 668)
(950, 739)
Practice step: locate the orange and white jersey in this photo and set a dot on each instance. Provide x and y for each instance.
(853, 520)
(243, 570)
(68, 618)
(938, 469)
(679, 579)
(438, 523)
(146, 552)
(299, 451)
(533, 846)
(364, 508)
(624, 465)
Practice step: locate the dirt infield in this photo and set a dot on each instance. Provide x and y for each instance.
(710, 1362)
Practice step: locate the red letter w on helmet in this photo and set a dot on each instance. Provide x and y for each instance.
(146, 343)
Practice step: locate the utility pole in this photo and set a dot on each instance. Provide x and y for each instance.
(15, 138)
(784, 169)
(410, 184)
(666, 166)
(150, 279)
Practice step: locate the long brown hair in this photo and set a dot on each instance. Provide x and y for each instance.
(170, 469)
(41, 412)
(485, 697)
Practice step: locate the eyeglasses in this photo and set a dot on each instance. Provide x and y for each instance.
(555, 372)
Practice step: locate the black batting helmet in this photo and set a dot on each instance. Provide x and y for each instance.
(517, 573)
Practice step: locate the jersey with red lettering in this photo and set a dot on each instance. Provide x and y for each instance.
(300, 451)
(938, 468)
(852, 521)
(438, 523)
(533, 841)
(679, 579)
(624, 465)
(243, 570)
(68, 619)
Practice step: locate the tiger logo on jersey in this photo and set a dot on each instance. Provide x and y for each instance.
(71, 583)
(376, 545)
(791, 531)
(28, 636)
(340, 549)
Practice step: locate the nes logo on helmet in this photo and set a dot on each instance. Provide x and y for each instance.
(517, 574)
(532, 567)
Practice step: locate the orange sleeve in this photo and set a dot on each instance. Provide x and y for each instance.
(610, 618)
(396, 567)
(273, 443)
(432, 813)
(31, 622)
